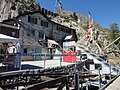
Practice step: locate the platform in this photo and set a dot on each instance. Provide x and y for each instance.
(115, 85)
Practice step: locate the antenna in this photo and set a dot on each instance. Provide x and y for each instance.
(58, 6)
(55, 8)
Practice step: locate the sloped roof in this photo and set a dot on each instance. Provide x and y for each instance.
(5, 38)
(9, 26)
(52, 41)
(31, 13)
(68, 37)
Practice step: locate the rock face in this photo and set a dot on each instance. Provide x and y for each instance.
(12, 8)
(8, 10)
(79, 22)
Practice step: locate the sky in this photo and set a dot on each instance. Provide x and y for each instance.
(104, 12)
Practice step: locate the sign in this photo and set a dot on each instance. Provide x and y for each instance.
(72, 43)
(69, 57)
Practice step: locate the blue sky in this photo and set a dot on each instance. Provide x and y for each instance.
(104, 12)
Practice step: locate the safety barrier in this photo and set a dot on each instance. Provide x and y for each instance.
(100, 75)
(39, 54)
(17, 61)
(103, 79)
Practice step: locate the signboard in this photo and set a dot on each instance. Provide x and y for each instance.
(71, 43)
(69, 57)
(10, 31)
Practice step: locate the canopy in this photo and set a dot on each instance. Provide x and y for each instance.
(5, 38)
(68, 37)
(53, 42)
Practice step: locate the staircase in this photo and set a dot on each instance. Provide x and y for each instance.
(107, 68)
(29, 30)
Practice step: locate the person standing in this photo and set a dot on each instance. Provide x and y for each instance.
(18, 57)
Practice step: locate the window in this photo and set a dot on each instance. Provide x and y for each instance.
(62, 29)
(28, 34)
(41, 35)
(44, 23)
(29, 18)
(35, 21)
(32, 19)
(25, 50)
(33, 32)
(57, 27)
(68, 31)
(41, 22)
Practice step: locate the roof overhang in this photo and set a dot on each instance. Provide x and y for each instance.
(52, 42)
(68, 37)
(8, 26)
(5, 38)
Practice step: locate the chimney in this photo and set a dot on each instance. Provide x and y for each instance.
(45, 11)
(42, 10)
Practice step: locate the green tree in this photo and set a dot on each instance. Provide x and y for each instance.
(114, 27)
(114, 32)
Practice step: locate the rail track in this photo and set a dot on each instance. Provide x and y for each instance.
(41, 78)
(70, 76)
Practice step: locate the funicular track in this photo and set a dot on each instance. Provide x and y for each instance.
(69, 76)
(37, 79)
(30, 77)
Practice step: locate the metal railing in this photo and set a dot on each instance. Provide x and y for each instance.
(76, 69)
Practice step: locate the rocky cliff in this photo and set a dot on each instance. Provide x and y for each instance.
(101, 36)
(12, 8)
(6, 11)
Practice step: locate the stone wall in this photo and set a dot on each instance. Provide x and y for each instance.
(6, 11)
(53, 31)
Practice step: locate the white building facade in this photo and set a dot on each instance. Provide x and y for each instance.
(36, 26)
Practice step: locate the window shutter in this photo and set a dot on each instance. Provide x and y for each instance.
(29, 18)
